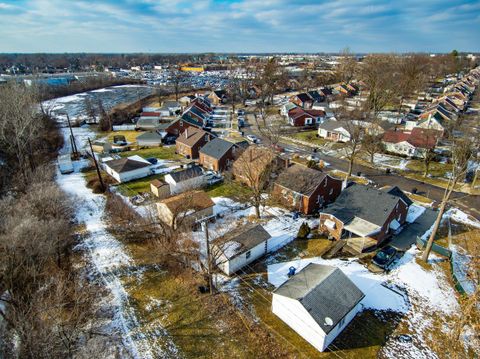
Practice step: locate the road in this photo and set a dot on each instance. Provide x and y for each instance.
(467, 203)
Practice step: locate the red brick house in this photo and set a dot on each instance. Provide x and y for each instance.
(305, 189)
(300, 117)
(363, 211)
(217, 154)
(190, 141)
(178, 126)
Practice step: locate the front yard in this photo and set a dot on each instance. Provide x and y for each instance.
(163, 153)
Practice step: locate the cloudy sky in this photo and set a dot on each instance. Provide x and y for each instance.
(238, 25)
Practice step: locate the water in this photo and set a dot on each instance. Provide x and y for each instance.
(110, 97)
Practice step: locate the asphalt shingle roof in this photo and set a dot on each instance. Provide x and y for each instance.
(216, 148)
(367, 203)
(248, 237)
(186, 174)
(301, 179)
(125, 165)
(324, 291)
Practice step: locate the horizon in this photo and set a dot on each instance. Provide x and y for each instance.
(238, 26)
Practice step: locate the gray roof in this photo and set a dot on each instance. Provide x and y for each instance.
(247, 237)
(125, 164)
(301, 179)
(149, 136)
(395, 191)
(324, 291)
(332, 125)
(216, 148)
(367, 203)
(192, 172)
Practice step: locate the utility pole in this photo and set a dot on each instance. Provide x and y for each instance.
(209, 259)
(96, 166)
(72, 139)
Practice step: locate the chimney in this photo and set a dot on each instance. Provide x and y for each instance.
(287, 162)
(186, 132)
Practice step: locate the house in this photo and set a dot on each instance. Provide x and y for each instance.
(160, 188)
(147, 123)
(318, 303)
(415, 143)
(186, 100)
(302, 100)
(285, 109)
(191, 140)
(173, 107)
(185, 180)
(149, 139)
(217, 154)
(364, 211)
(176, 127)
(256, 163)
(300, 117)
(336, 131)
(316, 96)
(306, 189)
(186, 208)
(128, 168)
(240, 247)
(218, 97)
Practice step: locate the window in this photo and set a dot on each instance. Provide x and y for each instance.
(181, 123)
(248, 254)
(330, 192)
(341, 323)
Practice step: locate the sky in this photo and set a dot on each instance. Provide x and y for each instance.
(239, 26)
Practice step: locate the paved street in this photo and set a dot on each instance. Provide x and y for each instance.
(467, 203)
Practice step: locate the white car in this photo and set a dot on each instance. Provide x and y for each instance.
(252, 138)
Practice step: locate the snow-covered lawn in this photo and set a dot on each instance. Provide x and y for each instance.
(382, 160)
(414, 211)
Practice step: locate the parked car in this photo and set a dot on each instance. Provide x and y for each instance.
(241, 112)
(278, 148)
(385, 257)
(152, 160)
(252, 138)
(313, 158)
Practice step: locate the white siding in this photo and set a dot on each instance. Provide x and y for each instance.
(234, 264)
(294, 314)
(296, 317)
(189, 184)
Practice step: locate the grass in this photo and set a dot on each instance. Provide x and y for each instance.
(362, 338)
(164, 153)
(436, 169)
(135, 187)
(228, 189)
(310, 136)
(343, 175)
(130, 136)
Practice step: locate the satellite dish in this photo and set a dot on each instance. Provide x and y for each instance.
(328, 321)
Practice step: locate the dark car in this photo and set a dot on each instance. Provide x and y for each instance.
(385, 257)
(152, 160)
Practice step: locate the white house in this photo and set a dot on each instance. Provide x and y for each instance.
(318, 303)
(334, 131)
(186, 180)
(240, 247)
(128, 169)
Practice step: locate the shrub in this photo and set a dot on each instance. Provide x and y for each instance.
(304, 231)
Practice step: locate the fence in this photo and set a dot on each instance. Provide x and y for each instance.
(123, 128)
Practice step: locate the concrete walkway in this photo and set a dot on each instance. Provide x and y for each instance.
(404, 240)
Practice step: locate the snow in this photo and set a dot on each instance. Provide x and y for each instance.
(390, 161)
(461, 217)
(414, 211)
(407, 275)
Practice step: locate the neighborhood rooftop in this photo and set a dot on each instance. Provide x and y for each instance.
(301, 179)
(216, 148)
(324, 291)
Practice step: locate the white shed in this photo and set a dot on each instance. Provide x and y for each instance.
(128, 169)
(318, 303)
(186, 180)
(240, 247)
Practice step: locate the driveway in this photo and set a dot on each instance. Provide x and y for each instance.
(404, 240)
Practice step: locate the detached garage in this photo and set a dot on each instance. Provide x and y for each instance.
(318, 303)
(128, 169)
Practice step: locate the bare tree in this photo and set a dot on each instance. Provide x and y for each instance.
(372, 144)
(176, 77)
(254, 167)
(412, 76)
(347, 67)
(461, 153)
(271, 127)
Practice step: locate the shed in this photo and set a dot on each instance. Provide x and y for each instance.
(318, 303)
(240, 247)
